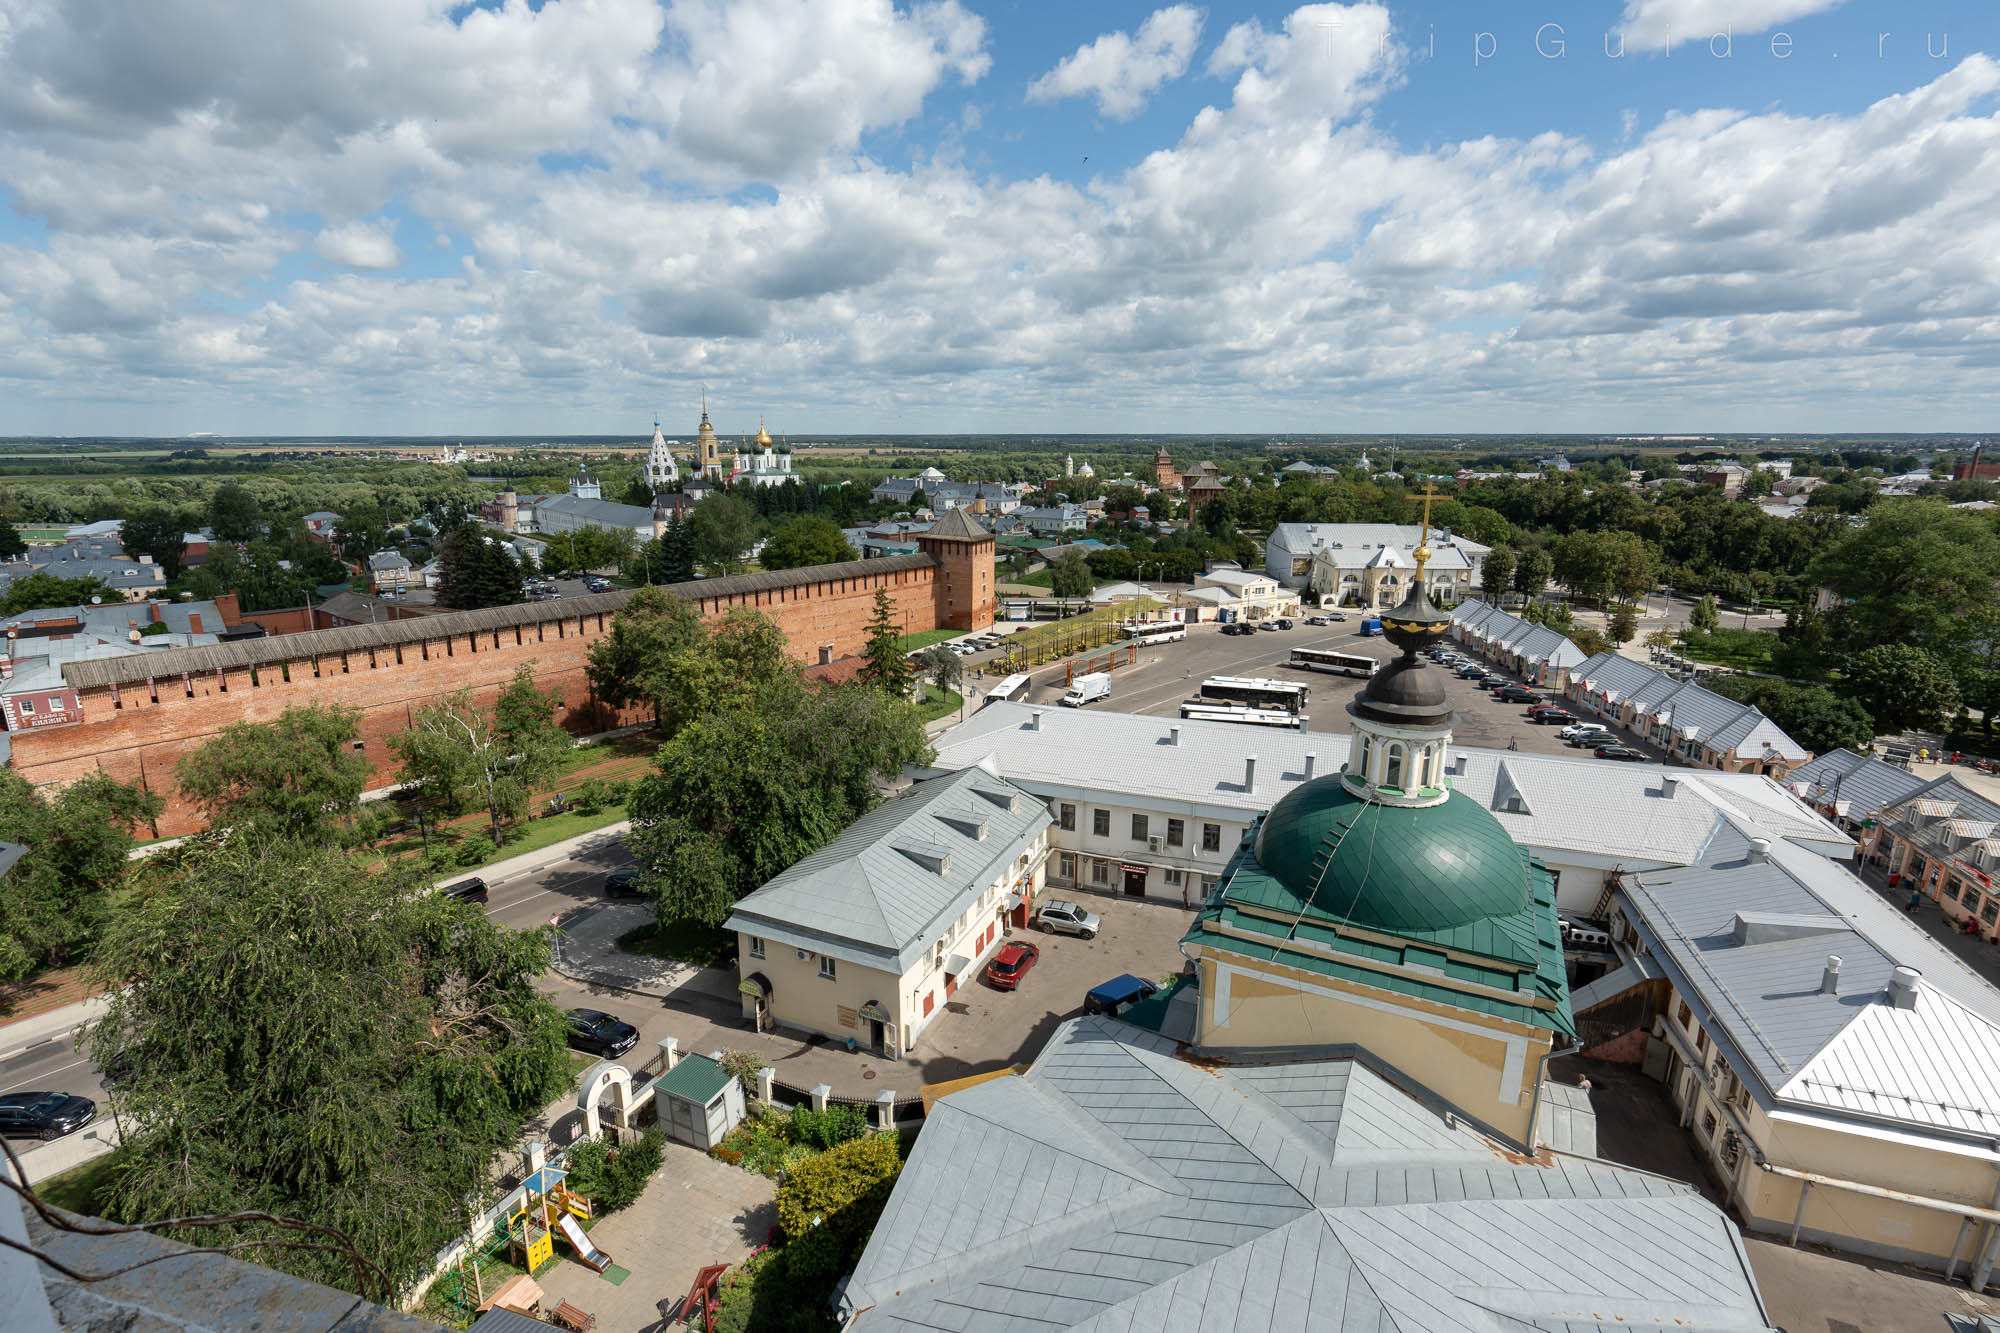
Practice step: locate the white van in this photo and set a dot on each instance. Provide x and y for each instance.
(1088, 689)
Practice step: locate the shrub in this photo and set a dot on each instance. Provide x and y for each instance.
(475, 849)
(594, 794)
(723, 1153)
(823, 1129)
(841, 1181)
(744, 1065)
(611, 1178)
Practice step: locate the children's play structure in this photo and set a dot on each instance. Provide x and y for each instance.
(548, 1206)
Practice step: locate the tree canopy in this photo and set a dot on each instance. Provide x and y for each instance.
(807, 540)
(887, 668)
(722, 528)
(54, 898)
(456, 754)
(476, 571)
(660, 652)
(1909, 571)
(1903, 687)
(298, 776)
(322, 1040)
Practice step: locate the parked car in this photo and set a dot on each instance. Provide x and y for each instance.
(1514, 694)
(1316, 620)
(44, 1115)
(622, 882)
(1472, 671)
(599, 1034)
(1286, 622)
(1238, 627)
(1543, 707)
(1268, 626)
(472, 890)
(1118, 994)
(1010, 965)
(1623, 753)
(1067, 918)
(1554, 717)
(1337, 615)
(1577, 728)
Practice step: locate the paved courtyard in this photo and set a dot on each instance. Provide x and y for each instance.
(695, 1212)
(1807, 1289)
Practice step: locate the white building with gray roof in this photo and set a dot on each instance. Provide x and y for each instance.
(1535, 652)
(1371, 564)
(1838, 1067)
(1116, 1187)
(866, 939)
(1682, 717)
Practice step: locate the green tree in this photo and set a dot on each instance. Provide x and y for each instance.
(886, 668)
(363, 529)
(12, 545)
(76, 839)
(159, 533)
(1623, 624)
(1496, 573)
(723, 528)
(1909, 572)
(1902, 687)
(1702, 617)
(298, 776)
(1812, 715)
(660, 652)
(315, 1038)
(234, 514)
(455, 755)
(1532, 572)
(476, 571)
(40, 590)
(808, 540)
(941, 666)
(677, 552)
(1069, 575)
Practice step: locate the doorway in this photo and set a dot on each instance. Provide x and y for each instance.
(875, 1033)
(1135, 881)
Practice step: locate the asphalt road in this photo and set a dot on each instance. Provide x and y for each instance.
(520, 901)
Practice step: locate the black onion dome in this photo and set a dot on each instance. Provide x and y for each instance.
(1410, 690)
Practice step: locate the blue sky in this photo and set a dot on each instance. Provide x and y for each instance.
(852, 215)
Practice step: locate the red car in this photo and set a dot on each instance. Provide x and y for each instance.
(1010, 965)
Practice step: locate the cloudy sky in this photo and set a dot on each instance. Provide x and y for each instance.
(411, 216)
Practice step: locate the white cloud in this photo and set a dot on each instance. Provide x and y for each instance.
(360, 245)
(1657, 24)
(1121, 70)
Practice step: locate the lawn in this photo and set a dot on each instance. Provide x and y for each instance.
(910, 643)
(937, 705)
(682, 942)
(1746, 650)
(77, 1188)
(534, 834)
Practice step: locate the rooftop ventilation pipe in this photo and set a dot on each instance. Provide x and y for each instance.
(1669, 784)
(1903, 987)
(1250, 773)
(1173, 735)
(1829, 980)
(1035, 720)
(1312, 763)
(1760, 851)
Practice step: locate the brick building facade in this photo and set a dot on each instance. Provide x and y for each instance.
(138, 716)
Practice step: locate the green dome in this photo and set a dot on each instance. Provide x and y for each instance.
(1400, 869)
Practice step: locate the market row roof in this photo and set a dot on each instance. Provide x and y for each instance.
(1115, 1187)
(1691, 711)
(876, 894)
(1635, 815)
(1746, 934)
(1854, 785)
(1503, 630)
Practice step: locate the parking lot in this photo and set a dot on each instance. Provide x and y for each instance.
(1168, 674)
(983, 1028)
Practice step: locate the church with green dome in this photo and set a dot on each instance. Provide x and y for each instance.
(1377, 908)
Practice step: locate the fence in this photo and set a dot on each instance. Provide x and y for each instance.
(909, 1107)
(1094, 629)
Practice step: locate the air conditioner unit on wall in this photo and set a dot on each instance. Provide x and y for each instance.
(1153, 844)
(804, 954)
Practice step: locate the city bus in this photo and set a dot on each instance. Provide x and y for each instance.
(1014, 687)
(1285, 694)
(1197, 710)
(1158, 631)
(1325, 659)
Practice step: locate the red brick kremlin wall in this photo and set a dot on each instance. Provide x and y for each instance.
(136, 728)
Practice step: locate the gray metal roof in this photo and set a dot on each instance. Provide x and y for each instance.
(600, 513)
(1693, 710)
(1116, 1187)
(360, 638)
(1746, 943)
(1854, 784)
(879, 892)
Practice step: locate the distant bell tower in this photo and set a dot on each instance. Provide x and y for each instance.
(707, 449)
(661, 472)
(963, 595)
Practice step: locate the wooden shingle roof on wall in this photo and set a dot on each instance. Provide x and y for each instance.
(360, 638)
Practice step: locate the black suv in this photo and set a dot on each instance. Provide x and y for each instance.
(44, 1115)
(622, 882)
(466, 890)
(600, 1034)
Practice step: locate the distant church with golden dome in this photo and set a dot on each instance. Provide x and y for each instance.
(767, 465)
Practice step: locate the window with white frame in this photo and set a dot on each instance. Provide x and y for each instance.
(1173, 879)
(1176, 832)
(826, 967)
(1211, 837)
(1100, 872)
(1066, 865)
(27, 707)
(756, 946)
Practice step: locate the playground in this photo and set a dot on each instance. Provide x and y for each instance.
(509, 1267)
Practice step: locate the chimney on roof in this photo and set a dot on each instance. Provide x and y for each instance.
(154, 607)
(1312, 763)
(1173, 735)
(1760, 851)
(1250, 773)
(1035, 720)
(1669, 784)
(1903, 987)
(1829, 980)
(194, 622)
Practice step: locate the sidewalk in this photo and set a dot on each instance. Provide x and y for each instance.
(53, 1025)
(586, 950)
(52, 1159)
(1972, 950)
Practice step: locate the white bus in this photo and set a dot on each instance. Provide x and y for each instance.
(1159, 631)
(1196, 710)
(1015, 687)
(1286, 694)
(1325, 659)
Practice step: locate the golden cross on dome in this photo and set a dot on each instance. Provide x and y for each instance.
(1423, 551)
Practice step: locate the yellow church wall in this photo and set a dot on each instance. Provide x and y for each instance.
(1485, 1066)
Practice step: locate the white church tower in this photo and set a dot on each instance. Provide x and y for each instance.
(661, 473)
